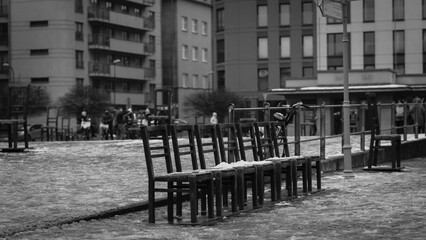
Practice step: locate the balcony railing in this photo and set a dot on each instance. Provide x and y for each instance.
(99, 67)
(98, 13)
(99, 40)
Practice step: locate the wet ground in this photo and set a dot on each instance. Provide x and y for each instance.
(46, 186)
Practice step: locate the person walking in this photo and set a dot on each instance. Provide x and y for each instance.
(418, 113)
(213, 119)
(120, 123)
(106, 125)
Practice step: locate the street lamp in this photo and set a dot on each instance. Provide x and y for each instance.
(113, 82)
(7, 65)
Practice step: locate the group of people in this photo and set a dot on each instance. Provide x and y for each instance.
(415, 114)
(114, 124)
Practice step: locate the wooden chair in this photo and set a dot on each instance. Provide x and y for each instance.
(51, 127)
(191, 181)
(16, 116)
(377, 138)
(184, 145)
(246, 172)
(266, 169)
(303, 163)
(266, 151)
(225, 177)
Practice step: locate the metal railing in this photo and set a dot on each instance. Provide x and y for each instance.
(360, 131)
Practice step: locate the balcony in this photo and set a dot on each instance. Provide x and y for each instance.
(148, 3)
(102, 41)
(104, 69)
(105, 15)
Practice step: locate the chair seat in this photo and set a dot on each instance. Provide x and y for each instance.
(184, 176)
(387, 137)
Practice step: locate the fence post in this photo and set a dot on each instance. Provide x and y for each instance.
(297, 131)
(266, 111)
(416, 122)
(405, 120)
(322, 131)
(231, 113)
(362, 117)
(393, 110)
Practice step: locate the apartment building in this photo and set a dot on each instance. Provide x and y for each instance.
(113, 45)
(285, 50)
(187, 51)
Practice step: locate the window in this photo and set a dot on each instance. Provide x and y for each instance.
(124, 9)
(399, 51)
(79, 63)
(220, 51)
(184, 52)
(39, 23)
(108, 5)
(262, 75)
(78, 5)
(398, 10)
(194, 80)
(424, 51)
(35, 52)
(284, 14)
(308, 48)
(369, 50)
(40, 80)
(307, 15)
(194, 26)
(220, 80)
(204, 54)
(308, 71)
(368, 10)
(184, 24)
(219, 20)
(262, 44)
(79, 31)
(204, 28)
(285, 73)
(205, 81)
(262, 16)
(79, 81)
(424, 9)
(4, 34)
(194, 53)
(334, 51)
(185, 80)
(285, 47)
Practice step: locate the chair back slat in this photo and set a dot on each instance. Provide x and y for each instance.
(208, 149)
(265, 144)
(156, 150)
(279, 138)
(247, 141)
(228, 143)
(184, 146)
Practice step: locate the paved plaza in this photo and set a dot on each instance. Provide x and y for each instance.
(60, 181)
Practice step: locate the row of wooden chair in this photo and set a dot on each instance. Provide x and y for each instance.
(235, 158)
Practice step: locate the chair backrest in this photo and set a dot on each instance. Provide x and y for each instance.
(18, 102)
(52, 116)
(373, 113)
(207, 147)
(228, 143)
(65, 122)
(265, 144)
(247, 141)
(184, 146)
(279, 138)
(156, 147)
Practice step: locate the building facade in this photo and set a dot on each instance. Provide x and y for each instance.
(285, 50)
(109, 44)
(187, 51)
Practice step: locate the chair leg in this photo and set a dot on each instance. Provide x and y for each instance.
(376, 151)
(289, 177)
(309, 173)
(255, 188)
(261, 185)
(318, 169)
(170, 203)
(277, 173)
(234, 190)
(193, 199)
(241, 188)
(151, 202)
(179, 199)
(294, 177)
(218, 192)
(210, 196)
(398, 152)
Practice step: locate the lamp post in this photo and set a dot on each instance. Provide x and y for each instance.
(113, 82)
(7, 65)
(347, 155)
